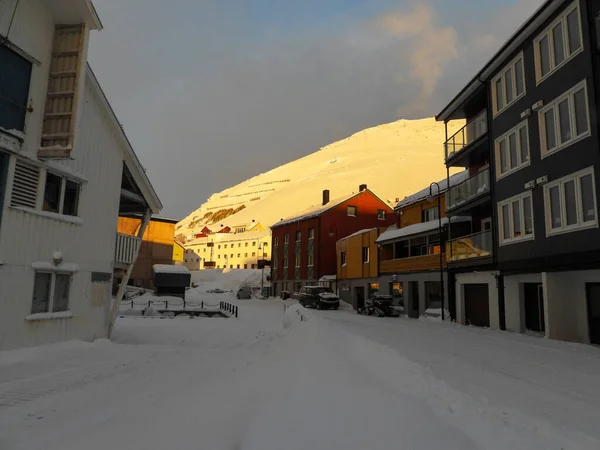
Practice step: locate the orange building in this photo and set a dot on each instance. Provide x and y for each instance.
(410, 267)
(156, 247)
(357, 266)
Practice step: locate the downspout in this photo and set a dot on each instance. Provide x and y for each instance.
(121, 292)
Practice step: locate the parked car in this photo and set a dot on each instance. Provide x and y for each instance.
(319, 297)
(244, 292)
(285, 295)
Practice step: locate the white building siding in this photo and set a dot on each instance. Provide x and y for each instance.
(488, 278)
(514, 299)
(26, 238)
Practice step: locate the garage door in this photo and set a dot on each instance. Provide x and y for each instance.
(477, 305)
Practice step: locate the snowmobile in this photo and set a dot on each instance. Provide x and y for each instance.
(379, 305)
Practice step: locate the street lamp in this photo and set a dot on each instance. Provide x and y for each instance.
(430, 198)
(262, 272)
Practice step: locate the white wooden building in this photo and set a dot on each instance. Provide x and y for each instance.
(67, 171)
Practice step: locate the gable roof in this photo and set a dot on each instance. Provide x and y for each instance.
(537, 19)
(424, 193)
(129, 157)
(317, 210)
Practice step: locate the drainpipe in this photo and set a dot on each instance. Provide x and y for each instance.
(121, 292)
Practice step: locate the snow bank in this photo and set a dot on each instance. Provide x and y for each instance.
(294, 314)
(169, 268)
(226, 279)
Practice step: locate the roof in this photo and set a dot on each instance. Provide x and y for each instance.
(393, 233)
(424, 193)
(534, 21)
(168, 268)
(129, 157)
(317, 210)
(224, 238)
(366, 230)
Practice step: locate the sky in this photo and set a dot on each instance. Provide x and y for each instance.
(214, 92)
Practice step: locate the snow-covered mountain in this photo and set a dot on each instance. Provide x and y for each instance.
(394, 160)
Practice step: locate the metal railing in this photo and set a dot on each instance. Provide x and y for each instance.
(126, 248)
(468, 190)
(478, 245)
(473, 130)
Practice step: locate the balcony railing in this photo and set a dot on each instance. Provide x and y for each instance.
(468, 190)
(126, 248)
(472, 131)
(478, 245)
(415, 263)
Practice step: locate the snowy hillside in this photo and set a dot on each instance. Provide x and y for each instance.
(394, 160)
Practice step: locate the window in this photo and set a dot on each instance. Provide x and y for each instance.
(565, 120)
(558, 43)
(276, 241)
(14, 89)
(431, 214)
(516, 219)
(253, 253)
(297, 260)
(254, 244)
(246, 245)
(50, 292)
(253, 266)
(218, 256)
(311, 234)
(232, 255)
(238, 266)
(245, 266)
(509, 85)
(570, 203)
(311, 260)
(231, 266)
(219, 247)
(239, 255)
(285, 262)
(275, 263)
(245, 255)
(61, 196)
(352, 211)
(343, 258)
(265, 244)
(225, 246)
(365, 254)
(512, 150)
(286, 239)
(381, 214)
(298, 236)
(239, 245)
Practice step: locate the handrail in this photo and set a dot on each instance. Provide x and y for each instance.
(468, 189)
(469, 133)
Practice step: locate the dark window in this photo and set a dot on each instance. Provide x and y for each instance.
(298, 236)
(365, 254)
(71, 203)
(52, 193)
(49, 297)
(59, 190)
(343, 258)
(352, 211)
(15, 76)
(253, 266)
(381, 214)
(311, 233)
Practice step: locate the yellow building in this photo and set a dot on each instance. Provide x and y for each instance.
(240, 250)
(178, 252)
(357, 266)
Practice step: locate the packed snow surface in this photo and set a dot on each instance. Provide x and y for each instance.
(282, 377)
(169, 268)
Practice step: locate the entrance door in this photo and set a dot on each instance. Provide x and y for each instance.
(360, 297)
(413, 311)
(477, 304)
(533, 297)
(593, 307)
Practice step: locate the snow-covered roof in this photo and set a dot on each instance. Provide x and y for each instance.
(328, 278)
(230, 237)
(418, 228)
(366, 230)
(168, 268)
(424, 193)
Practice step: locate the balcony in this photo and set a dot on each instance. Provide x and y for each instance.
(478, 245)
(412, 264)
(468, 190)
(468, 134)
(126, 248)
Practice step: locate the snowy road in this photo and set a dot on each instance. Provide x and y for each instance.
(267, 381)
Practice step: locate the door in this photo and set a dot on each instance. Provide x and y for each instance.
(533, 297)
(593, 307)
(3, 173)
(413, 308)
(360, 297)
(477, 304)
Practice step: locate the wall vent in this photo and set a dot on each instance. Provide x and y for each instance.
(25, 186)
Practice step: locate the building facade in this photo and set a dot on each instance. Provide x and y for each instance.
(304, 247)
(539, 97)
(412, 259)
(63, 183)
(358, 266)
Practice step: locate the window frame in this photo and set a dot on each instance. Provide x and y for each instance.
(509, 202)
(343, 259)
(348, 211)
(368, 255)
(286, 239)
(310, 260)
(505, 138)
(275, 241)
(62, 193)
(311, 234)
(547, 33)
(428, 210)
(52, 292)
(298, 236)
(381, 214)
(501, 76)
(560, 182)
(553, 105)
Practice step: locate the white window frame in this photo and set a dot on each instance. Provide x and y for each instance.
(50, 314)
(62, 192)
(297, 260)
(509, 202)
(430, 211)
(502, 77)
(368, 255)
(545, 152)
(548, 33)
(355, 211)
(311, 234)
(580, 225)
(286, 239)
(504, 138)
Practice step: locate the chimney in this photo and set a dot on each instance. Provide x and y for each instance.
(325, 197)
(362, 187)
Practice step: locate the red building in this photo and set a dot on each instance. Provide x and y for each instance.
(303, 248)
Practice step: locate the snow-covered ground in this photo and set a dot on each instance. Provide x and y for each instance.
(300, 379)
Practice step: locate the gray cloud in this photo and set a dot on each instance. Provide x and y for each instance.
(200, 126)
